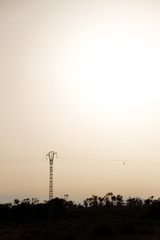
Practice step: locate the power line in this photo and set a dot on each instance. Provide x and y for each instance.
(105, 160)
(29, 160)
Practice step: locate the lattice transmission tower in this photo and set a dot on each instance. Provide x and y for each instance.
(50, 157)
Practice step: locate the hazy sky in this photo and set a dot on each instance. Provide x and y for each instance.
(82, 78)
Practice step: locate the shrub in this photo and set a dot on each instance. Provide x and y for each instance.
(154, 210)
(102, 230)
(128, 228)
(146, 230)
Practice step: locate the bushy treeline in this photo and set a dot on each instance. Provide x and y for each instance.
(33, 210)
(117, 200)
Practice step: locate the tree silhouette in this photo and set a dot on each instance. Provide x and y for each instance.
(114, 200)
(110, 194)
(119, 200)
(16, 201)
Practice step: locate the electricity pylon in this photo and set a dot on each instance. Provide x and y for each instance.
(50, 156)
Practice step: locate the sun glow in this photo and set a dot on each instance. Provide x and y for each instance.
(118, 71)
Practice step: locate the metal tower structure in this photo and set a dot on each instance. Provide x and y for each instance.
(50, 157)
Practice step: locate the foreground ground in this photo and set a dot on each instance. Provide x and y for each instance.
(87, 223)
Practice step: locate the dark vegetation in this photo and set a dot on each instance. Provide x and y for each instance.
(108, 217)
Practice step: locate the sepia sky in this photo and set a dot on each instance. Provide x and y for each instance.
(82, 78)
